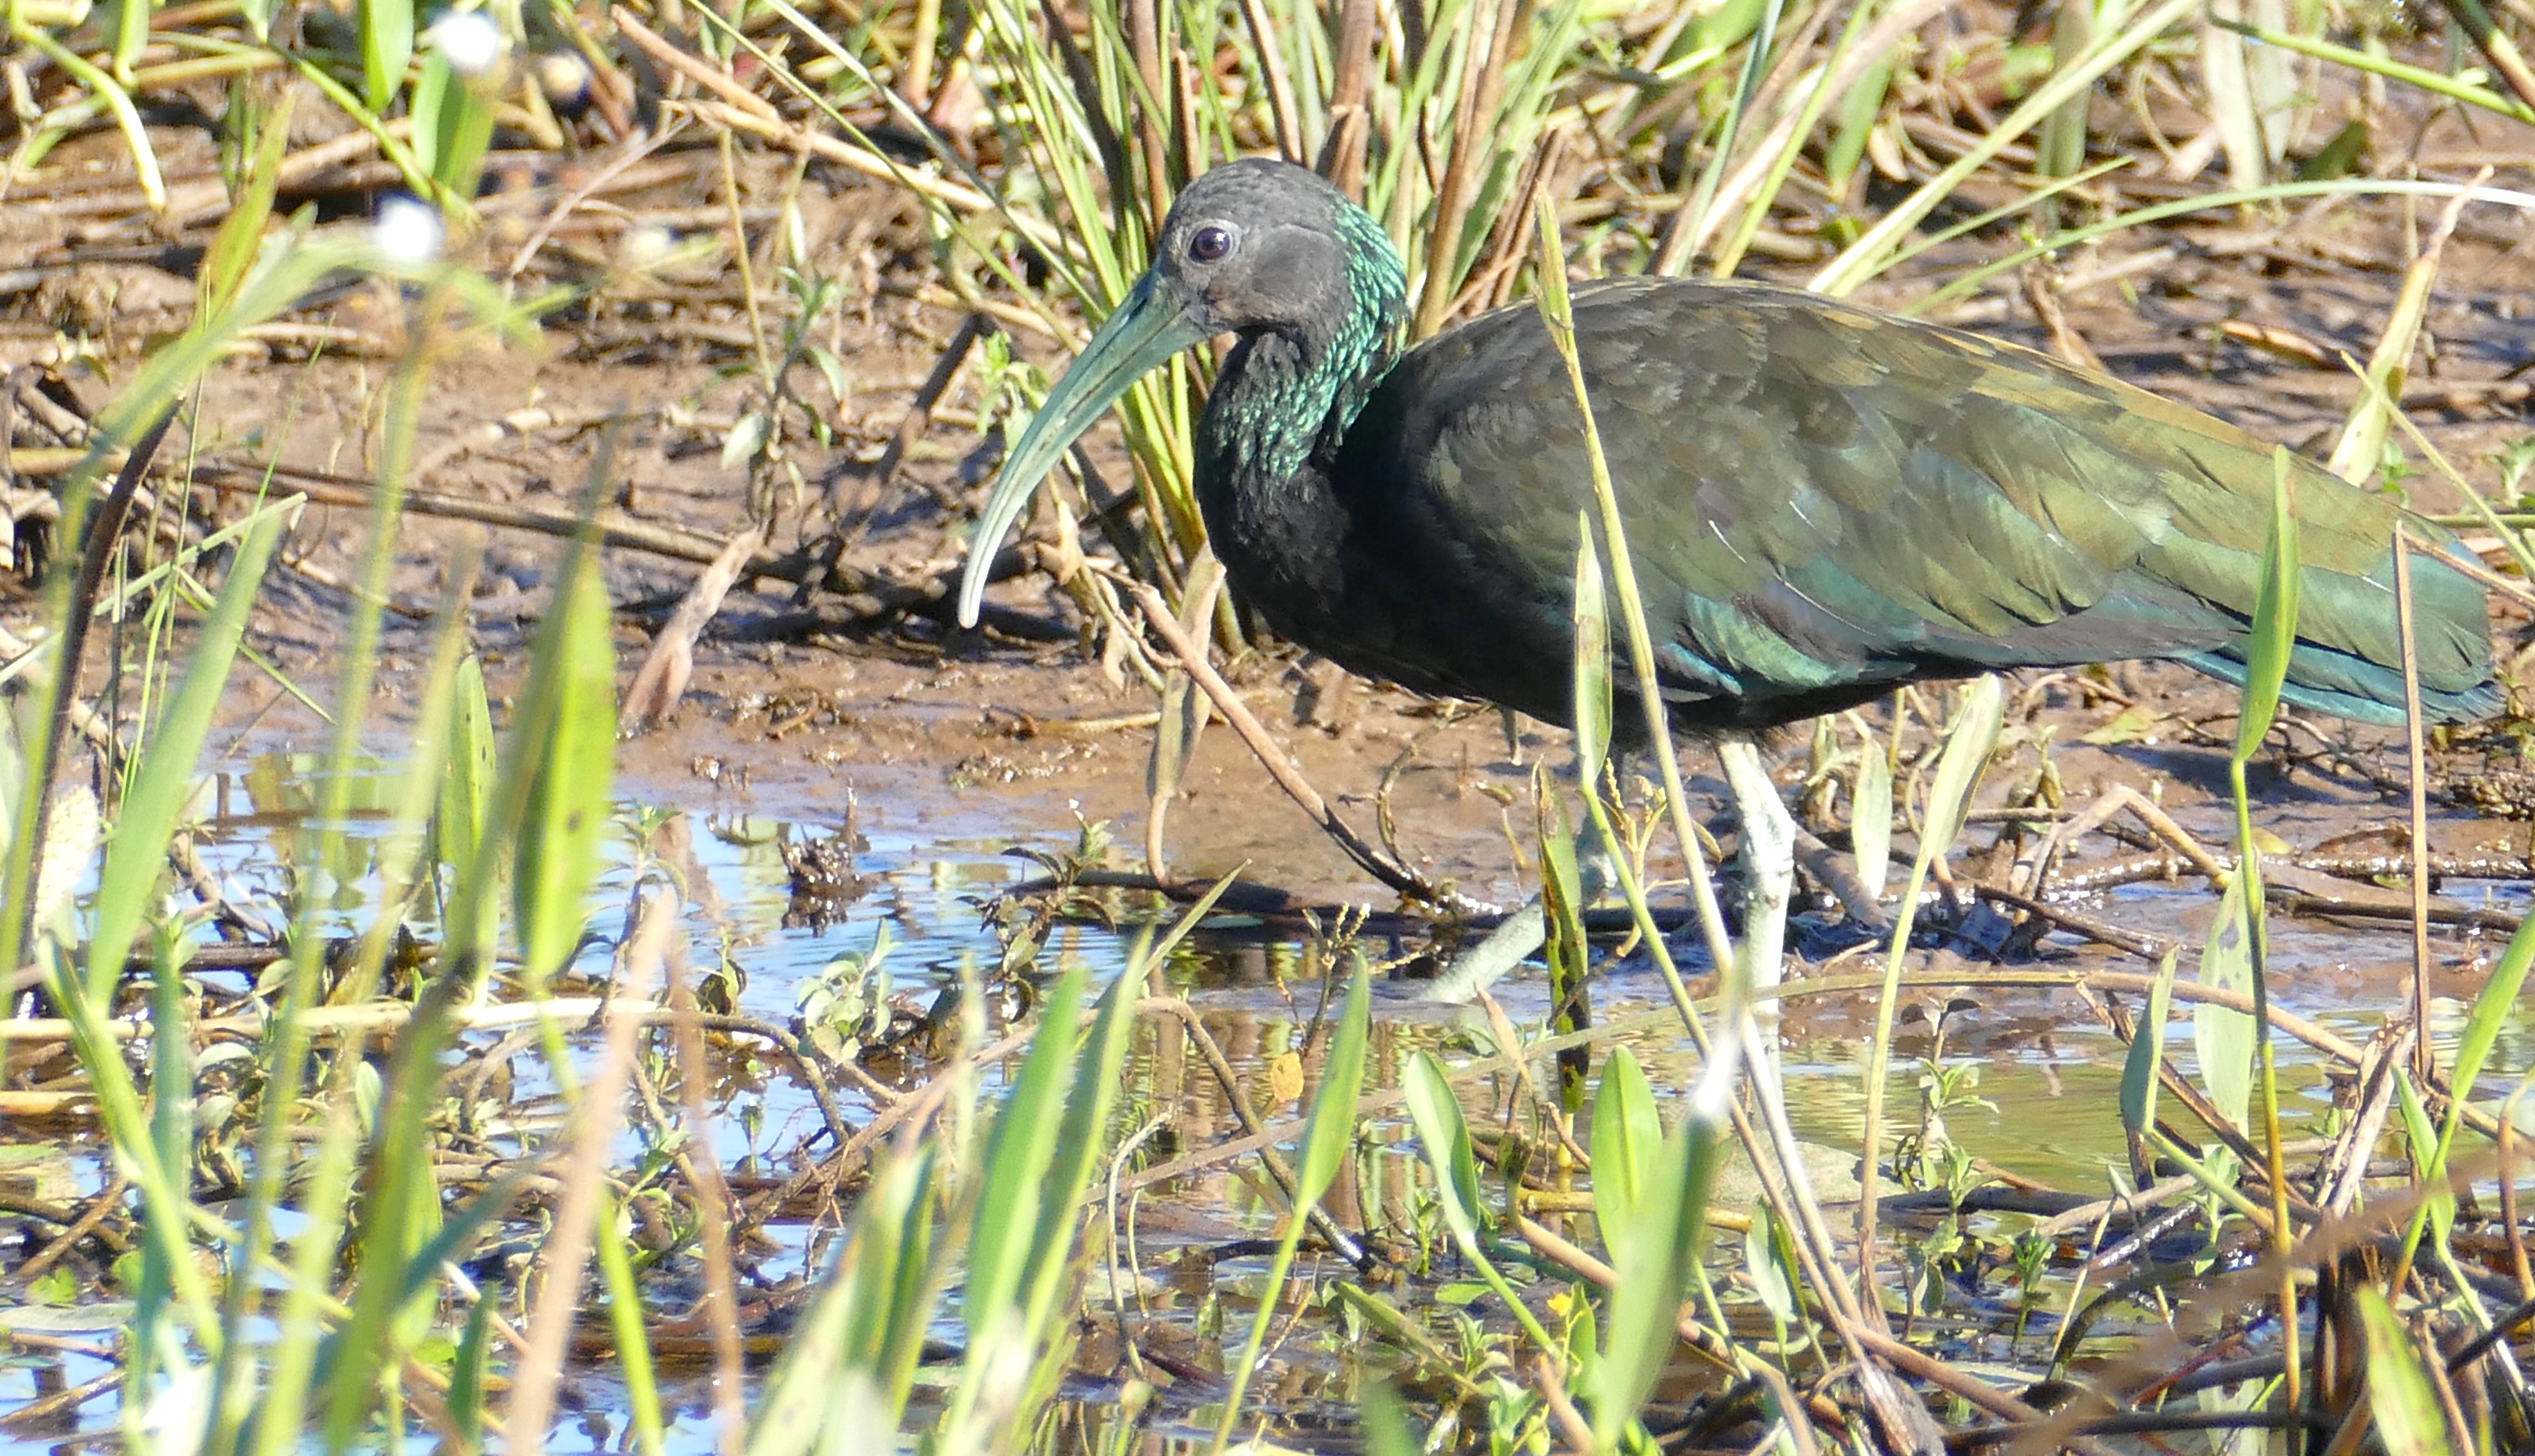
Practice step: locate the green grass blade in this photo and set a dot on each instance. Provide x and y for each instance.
(1447, 1139)
(240, 237)
(366, 1346)
(568, 804)
(852, 1358)
(2493, 1010)
(171, 1130)
(2275, 618)
(467, 1371)
(1018, 1154)
(137, 855)
(1326, 1135)
(467, 778)
(1332, 1126)
(1097, 1075)
(2493, 1007)
(1863, 259)
(1446, 1135)
(625, 1321)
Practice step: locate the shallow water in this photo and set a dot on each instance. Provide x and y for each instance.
(2040, 1096)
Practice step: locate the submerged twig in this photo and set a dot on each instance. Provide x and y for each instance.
(1236, 714)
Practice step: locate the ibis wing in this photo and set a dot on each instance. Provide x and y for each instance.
(1821, 497)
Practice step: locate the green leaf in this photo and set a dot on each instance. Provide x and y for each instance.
(2275, 618)
(467, 1377)
(635, 1371)
(1858, 110)
(2222, 1035)
(1017, 1153)
(1969, 742)
(2492, 1009)
(1627, 1139)
(137, 855)
(1333, 1122)
(2408, 1415)
(1760, 1265)
(466, 782)
(234, 247)
(1447, 1139)
(2148, 1054)
(568, 805)
(2437, 1207)
(1326, 1136)
(387, 45)
(453, 122)
(1093, 1093)
(1653, 1260)
(853, 1356)
(1870, 824)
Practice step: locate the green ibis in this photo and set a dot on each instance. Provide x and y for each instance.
(1822, 501)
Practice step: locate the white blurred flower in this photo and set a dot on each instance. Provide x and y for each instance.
(407, 229)
(564, 77)
(645, 246)
(470, 40)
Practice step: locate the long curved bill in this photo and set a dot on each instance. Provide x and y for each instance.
(1149, 327)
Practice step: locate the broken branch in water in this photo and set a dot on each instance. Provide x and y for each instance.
(1289, 778)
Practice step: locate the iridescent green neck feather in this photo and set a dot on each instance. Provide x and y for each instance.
(1288, 395)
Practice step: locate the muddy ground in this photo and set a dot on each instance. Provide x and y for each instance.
(803, 701)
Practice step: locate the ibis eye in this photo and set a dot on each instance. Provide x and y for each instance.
(1209, 244)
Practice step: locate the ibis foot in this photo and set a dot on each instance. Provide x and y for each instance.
(1838, 872)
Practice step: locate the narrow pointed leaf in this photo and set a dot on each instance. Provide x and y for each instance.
(1017, 1153)
(137, 855)
(568, 805)
(2275, 618)
(2222, 1035)
(1447, 1139)
(1870, 826)
(1078, 1140)
(2148, 1054)
(1968, 744)
(1333, 1122)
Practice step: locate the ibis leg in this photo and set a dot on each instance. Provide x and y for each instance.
(1769, 854)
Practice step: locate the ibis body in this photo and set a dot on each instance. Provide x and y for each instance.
(1821, 501)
